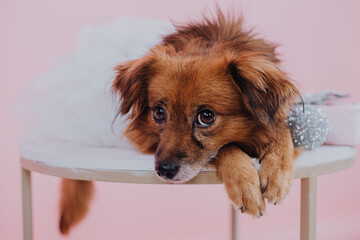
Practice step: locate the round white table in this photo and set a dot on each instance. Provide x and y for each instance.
(128, 166)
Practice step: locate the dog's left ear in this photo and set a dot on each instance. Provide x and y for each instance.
(131, 82)
(265, 90)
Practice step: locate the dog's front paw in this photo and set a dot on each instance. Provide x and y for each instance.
(241, 180)
(275, 182)
(246, 195)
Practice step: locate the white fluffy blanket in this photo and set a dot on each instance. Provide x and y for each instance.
(73, 102)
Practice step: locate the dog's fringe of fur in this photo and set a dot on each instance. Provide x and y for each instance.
(216, 34)
(76, 196)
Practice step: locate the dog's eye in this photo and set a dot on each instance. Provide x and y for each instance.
(159, 114)
(205, 118)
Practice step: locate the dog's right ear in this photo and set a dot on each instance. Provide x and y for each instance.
(131, 82)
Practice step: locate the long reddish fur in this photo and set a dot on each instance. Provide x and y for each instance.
(263, 91)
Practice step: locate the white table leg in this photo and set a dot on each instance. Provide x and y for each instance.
(308, 209)
(27, 211)
(233, 223)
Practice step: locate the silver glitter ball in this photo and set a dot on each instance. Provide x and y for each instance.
(308, 126)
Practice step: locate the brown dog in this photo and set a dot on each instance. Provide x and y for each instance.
(210, 93)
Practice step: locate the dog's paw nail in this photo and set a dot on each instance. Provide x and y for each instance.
(273, 201)
(263, 188)
(242, 209)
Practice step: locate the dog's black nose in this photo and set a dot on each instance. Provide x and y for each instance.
(167, 170)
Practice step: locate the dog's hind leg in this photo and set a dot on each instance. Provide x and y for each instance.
(76, 196)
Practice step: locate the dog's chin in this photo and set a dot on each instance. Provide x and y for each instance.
(173, 181)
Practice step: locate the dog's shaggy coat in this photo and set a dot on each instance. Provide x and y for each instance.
(210, 70)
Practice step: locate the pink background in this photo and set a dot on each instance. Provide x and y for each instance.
(321, 50)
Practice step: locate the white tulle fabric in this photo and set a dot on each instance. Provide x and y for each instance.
(72, 102)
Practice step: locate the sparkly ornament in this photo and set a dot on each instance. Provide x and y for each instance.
(308, 126)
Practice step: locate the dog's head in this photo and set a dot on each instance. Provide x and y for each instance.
(188, 101)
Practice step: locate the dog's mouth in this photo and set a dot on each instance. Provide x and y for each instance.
(179, 173)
